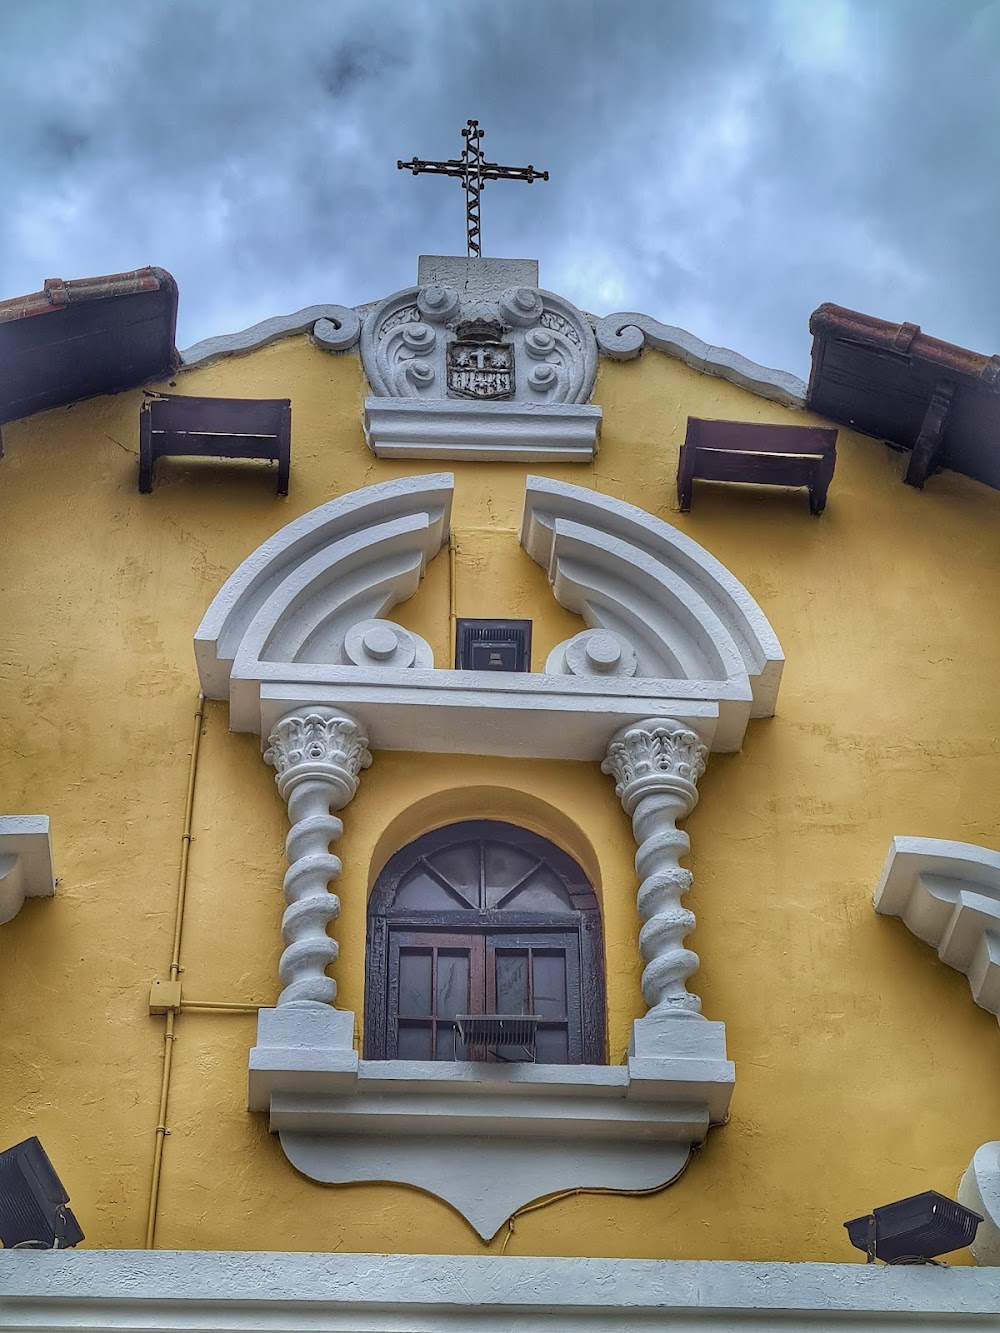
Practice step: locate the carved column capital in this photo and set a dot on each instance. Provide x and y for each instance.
(657, 755)
(318, 743)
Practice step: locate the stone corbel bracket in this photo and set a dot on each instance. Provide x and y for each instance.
(25, 862)
(534, 409)
(948, 894)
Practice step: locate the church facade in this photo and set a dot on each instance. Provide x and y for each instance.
(443, 891)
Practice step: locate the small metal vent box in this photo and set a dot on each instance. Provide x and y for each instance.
(493, 645)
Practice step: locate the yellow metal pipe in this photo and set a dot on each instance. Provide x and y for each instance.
(175, 966)
(221, 1007)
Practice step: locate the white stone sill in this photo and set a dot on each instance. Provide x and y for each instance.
(198, 1292)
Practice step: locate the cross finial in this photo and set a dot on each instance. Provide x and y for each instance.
(473, 172)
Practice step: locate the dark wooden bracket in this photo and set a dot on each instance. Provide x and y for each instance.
(759, 453)
(927, 447)
(172, 426)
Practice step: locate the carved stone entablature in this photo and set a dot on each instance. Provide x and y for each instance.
(482, 374)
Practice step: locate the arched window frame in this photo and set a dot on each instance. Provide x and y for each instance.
(583, 920)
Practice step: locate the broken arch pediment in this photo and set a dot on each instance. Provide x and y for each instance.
(670, 630)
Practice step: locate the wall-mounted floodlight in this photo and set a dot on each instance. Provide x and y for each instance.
(914, 1230)
(33, 1212)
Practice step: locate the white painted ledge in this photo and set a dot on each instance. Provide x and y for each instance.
(484, 432)
(487, 1139)
(122, 1291)
(980, 1191)
(948, 894)
(25, 862)
(340, 328)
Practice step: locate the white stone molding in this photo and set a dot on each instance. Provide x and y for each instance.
(622, 336)
(684, 613)
(369, 547)
(335, 328)
(502, 432)
(192, 1291)
(474, 363)
(25, 862)
(948, 894)
(287, 630)
(656, 765)
(980, 1190)
(318, 757)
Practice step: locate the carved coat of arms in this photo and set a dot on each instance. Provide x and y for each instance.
(480, 365)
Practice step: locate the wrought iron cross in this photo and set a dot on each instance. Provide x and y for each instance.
(473, 172)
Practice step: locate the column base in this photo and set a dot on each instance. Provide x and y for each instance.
(303, 1048)
(672, 1057)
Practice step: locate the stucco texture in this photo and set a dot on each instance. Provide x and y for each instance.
(864, 1070)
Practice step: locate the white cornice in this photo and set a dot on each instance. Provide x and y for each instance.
(202, 1292)
(620, 337)
(948, 894)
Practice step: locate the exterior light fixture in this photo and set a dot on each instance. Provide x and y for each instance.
(914, 1230)
(33, 1212)
(493, 645)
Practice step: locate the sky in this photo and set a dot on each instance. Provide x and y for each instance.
(721, 165)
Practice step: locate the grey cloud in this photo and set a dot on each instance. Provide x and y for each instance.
(722, 165)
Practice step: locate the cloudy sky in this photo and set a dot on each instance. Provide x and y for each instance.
(724, 165)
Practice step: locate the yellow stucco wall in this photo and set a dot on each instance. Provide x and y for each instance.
(865, 1072)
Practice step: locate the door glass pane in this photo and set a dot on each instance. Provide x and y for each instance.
(446, 1043)
(551, 1046)
(504, 866)
(419, 891)
(415, 981)
(542, 891)
(460, 867)
(512, 981)
(414, 1041)
(549, 976)
(452, 983)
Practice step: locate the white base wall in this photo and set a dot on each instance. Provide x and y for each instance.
(195, 1292)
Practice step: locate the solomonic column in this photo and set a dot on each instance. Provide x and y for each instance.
(656, 765)
(318, 755)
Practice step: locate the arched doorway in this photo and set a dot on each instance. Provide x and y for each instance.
(483, 917)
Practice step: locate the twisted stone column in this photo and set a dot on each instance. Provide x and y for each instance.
(656, 765)
(318, 754)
